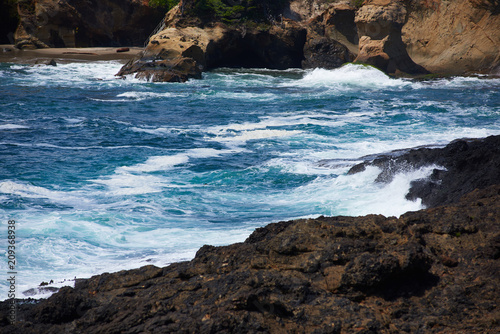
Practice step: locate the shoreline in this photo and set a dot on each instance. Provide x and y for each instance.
(9, 54)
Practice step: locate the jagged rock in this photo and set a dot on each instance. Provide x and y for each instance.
(434, 270)
(74, 23)
(463, 166)
(379, 25)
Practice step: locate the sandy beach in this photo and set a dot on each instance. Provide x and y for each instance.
(10, 54)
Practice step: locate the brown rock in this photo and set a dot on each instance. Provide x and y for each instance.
(331, 38)
(454, 37)
(379, 27)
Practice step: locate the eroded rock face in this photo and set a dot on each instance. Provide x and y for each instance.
(276, 46)
(75, 23)
(431, 271)
(454, 37)
(331, 38)
(379, 24)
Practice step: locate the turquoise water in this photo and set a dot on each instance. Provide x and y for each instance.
(103, 174)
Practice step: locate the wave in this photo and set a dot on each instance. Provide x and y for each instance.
(350, 76)
(139, 96)
(13, 127)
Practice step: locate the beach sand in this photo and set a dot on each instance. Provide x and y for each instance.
(9, 54)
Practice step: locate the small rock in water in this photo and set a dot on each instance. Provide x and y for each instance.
(51, 62)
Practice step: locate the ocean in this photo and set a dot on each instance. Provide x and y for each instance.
(103, 174)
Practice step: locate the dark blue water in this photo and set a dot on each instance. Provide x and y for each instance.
(103, 174)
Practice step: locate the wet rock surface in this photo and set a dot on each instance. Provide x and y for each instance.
(431, 271)
(460, 167)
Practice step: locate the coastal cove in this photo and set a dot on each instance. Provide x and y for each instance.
(250, 166)
(103, 174)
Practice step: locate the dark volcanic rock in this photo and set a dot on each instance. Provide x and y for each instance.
(432, 271)
(461, 167)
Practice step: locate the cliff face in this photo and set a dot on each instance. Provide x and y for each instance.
(399, 37)
(74, 23)
(454, 37)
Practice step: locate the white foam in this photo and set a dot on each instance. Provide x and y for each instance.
(12, 127)
(72, 74)
(358, 194)
(25, 190)
(350, 75)
(132, 180)
(139, 96)
(165, 162)
(153, 131)
(256, 134)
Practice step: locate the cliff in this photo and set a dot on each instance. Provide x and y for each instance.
(399, 37)
(431, 271)
(92, 23)
(454, 37)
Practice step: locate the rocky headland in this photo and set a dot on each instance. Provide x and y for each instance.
(399, 37)
(432, 271)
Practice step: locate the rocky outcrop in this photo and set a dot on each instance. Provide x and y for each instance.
(454, 37)
(379, 24)
(432, 271)
(461, 167)
(391, 35)
(277, 45)
(74, 23)
(331, 38)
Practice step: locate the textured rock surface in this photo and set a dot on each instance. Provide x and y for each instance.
(210, 45)
(454, 37)
(432, 271)
(331, 38)
(379, 25)
(75, 23)
(399, 37)
(461, 167)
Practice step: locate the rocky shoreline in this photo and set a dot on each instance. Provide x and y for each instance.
(401, 38)
(431, 271)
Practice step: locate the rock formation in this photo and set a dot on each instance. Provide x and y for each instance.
(461, 167)
(379, 25)
(431, 271)
(454, 37)
(398, 37)
(193, 34)
(74, 23)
